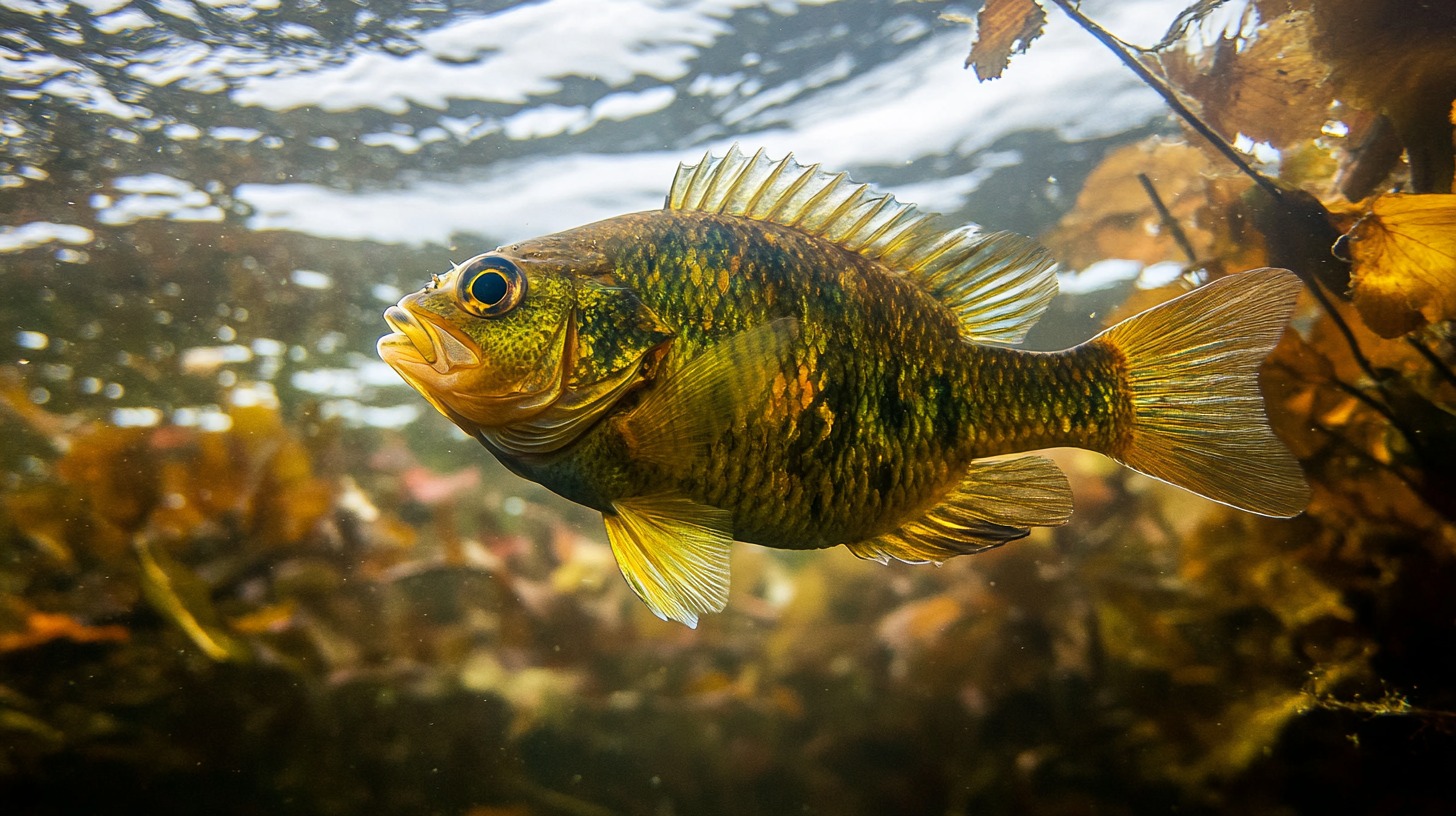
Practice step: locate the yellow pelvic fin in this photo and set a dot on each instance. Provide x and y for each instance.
(997, 284)
(673, 553)
(995, 503)
(716, 390)
(1192, 368)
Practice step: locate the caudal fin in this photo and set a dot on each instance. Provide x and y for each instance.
(1198, 417)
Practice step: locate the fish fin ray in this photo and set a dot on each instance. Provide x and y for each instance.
(998, 284)
(711, 393)
(997, 501)
(1198, 418)
(674, 554)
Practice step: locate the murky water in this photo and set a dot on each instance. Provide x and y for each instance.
(249, 570)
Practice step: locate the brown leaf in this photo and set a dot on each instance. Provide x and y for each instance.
(1387, 56)
(1003, 27)
(1115, 218)
(1268, 86)
(1404, 251)
(43, 627)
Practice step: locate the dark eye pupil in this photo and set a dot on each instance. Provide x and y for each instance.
(489, 288)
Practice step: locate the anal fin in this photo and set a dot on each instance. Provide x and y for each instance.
(673, 552)
(997, 501)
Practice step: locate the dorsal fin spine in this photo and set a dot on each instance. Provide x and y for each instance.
(711, 183)
(807, 208)
(851, 238)
(902, 232)
(997, 284)
(732, 193)
(844, 208)
(695, 183)
(794, 187)
(768, 183)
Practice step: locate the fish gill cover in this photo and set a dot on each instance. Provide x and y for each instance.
(245, 570)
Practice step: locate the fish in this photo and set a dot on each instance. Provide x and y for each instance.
(785, 357)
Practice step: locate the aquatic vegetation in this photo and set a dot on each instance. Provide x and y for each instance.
(220, 591)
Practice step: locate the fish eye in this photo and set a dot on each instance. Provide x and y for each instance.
(490, 286)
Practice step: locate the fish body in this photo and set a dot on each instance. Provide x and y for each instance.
(782, 357)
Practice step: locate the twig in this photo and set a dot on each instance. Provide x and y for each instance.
(1169, 222)
(1339, 320)
(1434, 359)
(1106, 38)
(1120, 50)
(1365, 457)
(1390, 417)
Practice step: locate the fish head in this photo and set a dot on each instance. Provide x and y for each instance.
(527, 345)
(487, 343)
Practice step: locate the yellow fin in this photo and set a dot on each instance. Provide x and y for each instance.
(673, 553)
(995, 503)
(714, 391)
(997, 284)
(1198, 417)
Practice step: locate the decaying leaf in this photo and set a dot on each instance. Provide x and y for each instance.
(1396, 57)
(181, 597)
(1115, 218)
(1003, 28)
(1404, 251)
(43, 627)
(1268, 85)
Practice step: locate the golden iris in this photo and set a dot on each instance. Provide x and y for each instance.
(490, 286)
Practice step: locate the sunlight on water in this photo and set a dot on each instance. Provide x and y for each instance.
(246, 568)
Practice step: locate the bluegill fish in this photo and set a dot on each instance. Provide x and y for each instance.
(784, 357)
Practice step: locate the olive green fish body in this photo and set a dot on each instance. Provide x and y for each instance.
(782, 357)
(868, 415)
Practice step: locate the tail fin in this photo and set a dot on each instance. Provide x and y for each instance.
(1198, 417)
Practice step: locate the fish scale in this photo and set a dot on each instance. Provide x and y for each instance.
(784, 357)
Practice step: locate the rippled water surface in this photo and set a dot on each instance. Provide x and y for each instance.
(244, 569)
(204, 195)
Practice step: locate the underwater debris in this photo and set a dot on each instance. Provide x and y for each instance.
(401, 644)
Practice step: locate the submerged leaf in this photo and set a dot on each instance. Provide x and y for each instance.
(1396, 57)
(1267, 86)
(182, 597)
(43, 627)
(1003, 27)
(1404, 251)
(1115, 218)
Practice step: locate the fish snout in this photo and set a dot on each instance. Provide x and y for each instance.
(436, 345)
(405, 323)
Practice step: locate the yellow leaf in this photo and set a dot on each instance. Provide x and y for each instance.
(1404, 251)
(1003, 27)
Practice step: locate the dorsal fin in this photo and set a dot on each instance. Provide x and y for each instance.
(997, 283)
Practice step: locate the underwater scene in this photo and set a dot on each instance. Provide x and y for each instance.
(459, 408)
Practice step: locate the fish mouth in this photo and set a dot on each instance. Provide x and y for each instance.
(434, 345)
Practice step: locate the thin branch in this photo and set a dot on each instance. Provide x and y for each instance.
(1169, 222)
(1434, 359)
(1394, 420)
(1366, 458)
(1339, 320)
(1120, 50)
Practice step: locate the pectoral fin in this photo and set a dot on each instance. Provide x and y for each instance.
(673, 553)
(995, 503)
(716, 390)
